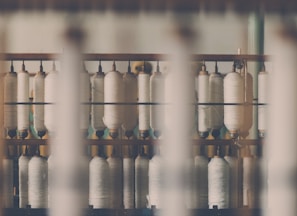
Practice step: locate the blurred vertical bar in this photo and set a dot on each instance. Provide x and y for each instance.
(67, 146)
(281, 148)
(2, 51)
(179, 93)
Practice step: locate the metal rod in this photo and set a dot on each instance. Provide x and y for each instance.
(135, 103)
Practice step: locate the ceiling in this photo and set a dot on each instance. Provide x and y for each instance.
(240, 6)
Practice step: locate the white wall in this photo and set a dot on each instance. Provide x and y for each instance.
(124, 33)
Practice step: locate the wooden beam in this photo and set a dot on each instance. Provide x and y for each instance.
(132, 57)
(134, 6)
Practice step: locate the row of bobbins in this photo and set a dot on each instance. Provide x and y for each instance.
(228, 101)
(115, 100)
(137, 181)
(111, 90)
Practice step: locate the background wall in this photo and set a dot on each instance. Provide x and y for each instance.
(124, 33)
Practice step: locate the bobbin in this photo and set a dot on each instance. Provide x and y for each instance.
(144, 112)
(23, 96)
(216, 95)
(97, 95)
(262, 98)
(84, 85)
(10, 95)
(203, 111)
(130, 96)
(50, 95)
(113, 93)
(157, 96)
(38, 86)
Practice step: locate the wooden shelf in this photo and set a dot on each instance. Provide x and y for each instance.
(130, 142)
(137, 212)
(131, 56)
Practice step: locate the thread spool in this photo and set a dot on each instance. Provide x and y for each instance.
(130, 111)
(233, 93)
(10, 96)
(216, 95)
(155, 181)
(250, 180)
(141, 179)
(218, 183)
(203, 97)
(38, 97)
(189, 183)
(37, 182)
(113, 93)
(50, 96)
(23, 97)
(144, 97)
(260, 175)
(128, 182)
(262, 98)
(116, 180)
(7, 179)
(201, 180)
(99, 192)
(84, 180)
(23, 163)
(97, 111)
(157, 96)
(234, 178)
(85, 93)
(248, 98)
(50, 167)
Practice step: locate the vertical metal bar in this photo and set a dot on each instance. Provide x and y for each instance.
(255, 46)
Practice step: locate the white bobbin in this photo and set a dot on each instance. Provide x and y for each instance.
(113, 93)
(99, 191)
(38, 97)
(97, 93)
(116, 181)
(23, 162)
(130, 111)
(218, 183)
(141, 181)
(10, 120)
(37, 182)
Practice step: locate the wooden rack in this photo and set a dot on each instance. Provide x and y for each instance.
(134, 57)
(133, 142)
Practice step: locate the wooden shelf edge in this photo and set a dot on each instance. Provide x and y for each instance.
(143, 211)
(131, 56)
